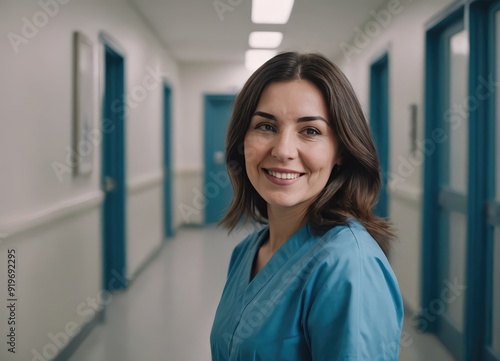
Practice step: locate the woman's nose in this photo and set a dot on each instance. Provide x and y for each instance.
(284, 147)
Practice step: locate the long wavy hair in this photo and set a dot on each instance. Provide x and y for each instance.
(352, 189)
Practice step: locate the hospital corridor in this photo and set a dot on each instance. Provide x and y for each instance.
(114, 175)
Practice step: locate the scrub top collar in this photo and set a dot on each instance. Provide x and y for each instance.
(280, 257)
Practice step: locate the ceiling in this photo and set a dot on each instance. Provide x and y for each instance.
(194, 31)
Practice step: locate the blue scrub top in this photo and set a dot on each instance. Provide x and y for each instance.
(330, 297)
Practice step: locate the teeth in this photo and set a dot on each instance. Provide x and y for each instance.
(284, 175)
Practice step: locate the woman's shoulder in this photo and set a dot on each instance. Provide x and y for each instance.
(349, 258)
(350, 247)
(351, 238)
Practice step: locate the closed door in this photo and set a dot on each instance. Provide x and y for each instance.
(217, 189)
(113, 171)
(379, 123)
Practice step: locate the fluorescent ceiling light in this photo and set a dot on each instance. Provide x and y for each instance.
(271, 11)
(255, 58)
(265, 39)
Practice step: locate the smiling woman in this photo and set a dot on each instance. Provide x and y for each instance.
(314, 283)
(290, 149)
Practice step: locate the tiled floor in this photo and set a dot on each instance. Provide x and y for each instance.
(167, 312)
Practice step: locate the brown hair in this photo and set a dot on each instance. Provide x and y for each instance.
(353, 188)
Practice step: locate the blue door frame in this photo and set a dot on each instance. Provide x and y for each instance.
(483, 57)
(167, 160)
(217, 189)
(482, 212)
(113, 168)
(379, 122)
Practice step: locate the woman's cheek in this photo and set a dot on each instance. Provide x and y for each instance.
(251, 150)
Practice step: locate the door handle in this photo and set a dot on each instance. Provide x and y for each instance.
(219, 157)
(109, 184)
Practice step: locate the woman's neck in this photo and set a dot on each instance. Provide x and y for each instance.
(283, 223)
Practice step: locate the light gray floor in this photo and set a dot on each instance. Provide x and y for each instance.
(167, 312)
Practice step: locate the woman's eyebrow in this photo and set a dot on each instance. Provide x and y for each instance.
(311, 118)
(265, 115)
(301, 119)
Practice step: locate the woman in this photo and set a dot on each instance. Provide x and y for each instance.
(314, 283)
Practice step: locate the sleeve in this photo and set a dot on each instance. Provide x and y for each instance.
(356, 310)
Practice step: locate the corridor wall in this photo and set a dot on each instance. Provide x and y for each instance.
(51, 218)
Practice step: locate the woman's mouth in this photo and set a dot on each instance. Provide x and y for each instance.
(283, 175)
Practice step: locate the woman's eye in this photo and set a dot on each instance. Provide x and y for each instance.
(265, 127)
(311, 131)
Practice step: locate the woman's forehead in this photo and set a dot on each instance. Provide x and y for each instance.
(292, 98)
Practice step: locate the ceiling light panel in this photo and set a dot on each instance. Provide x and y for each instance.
(265, 39)
(271, 11)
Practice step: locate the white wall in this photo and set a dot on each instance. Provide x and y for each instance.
(55, 224)
(404, 39)
(198, 79)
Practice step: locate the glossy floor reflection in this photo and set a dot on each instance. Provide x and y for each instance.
(167, 312)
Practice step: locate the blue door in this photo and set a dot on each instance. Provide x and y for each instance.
(446, 183)
(217, 189)
(167, 162)
(113, 169)
(379, 122)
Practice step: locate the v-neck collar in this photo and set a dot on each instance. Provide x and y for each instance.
(278, 259)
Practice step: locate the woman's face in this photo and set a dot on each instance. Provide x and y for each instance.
(290, 148)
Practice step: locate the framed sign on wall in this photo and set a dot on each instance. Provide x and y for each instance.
(83, 104)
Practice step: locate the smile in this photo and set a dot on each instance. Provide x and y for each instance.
(283, 175)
